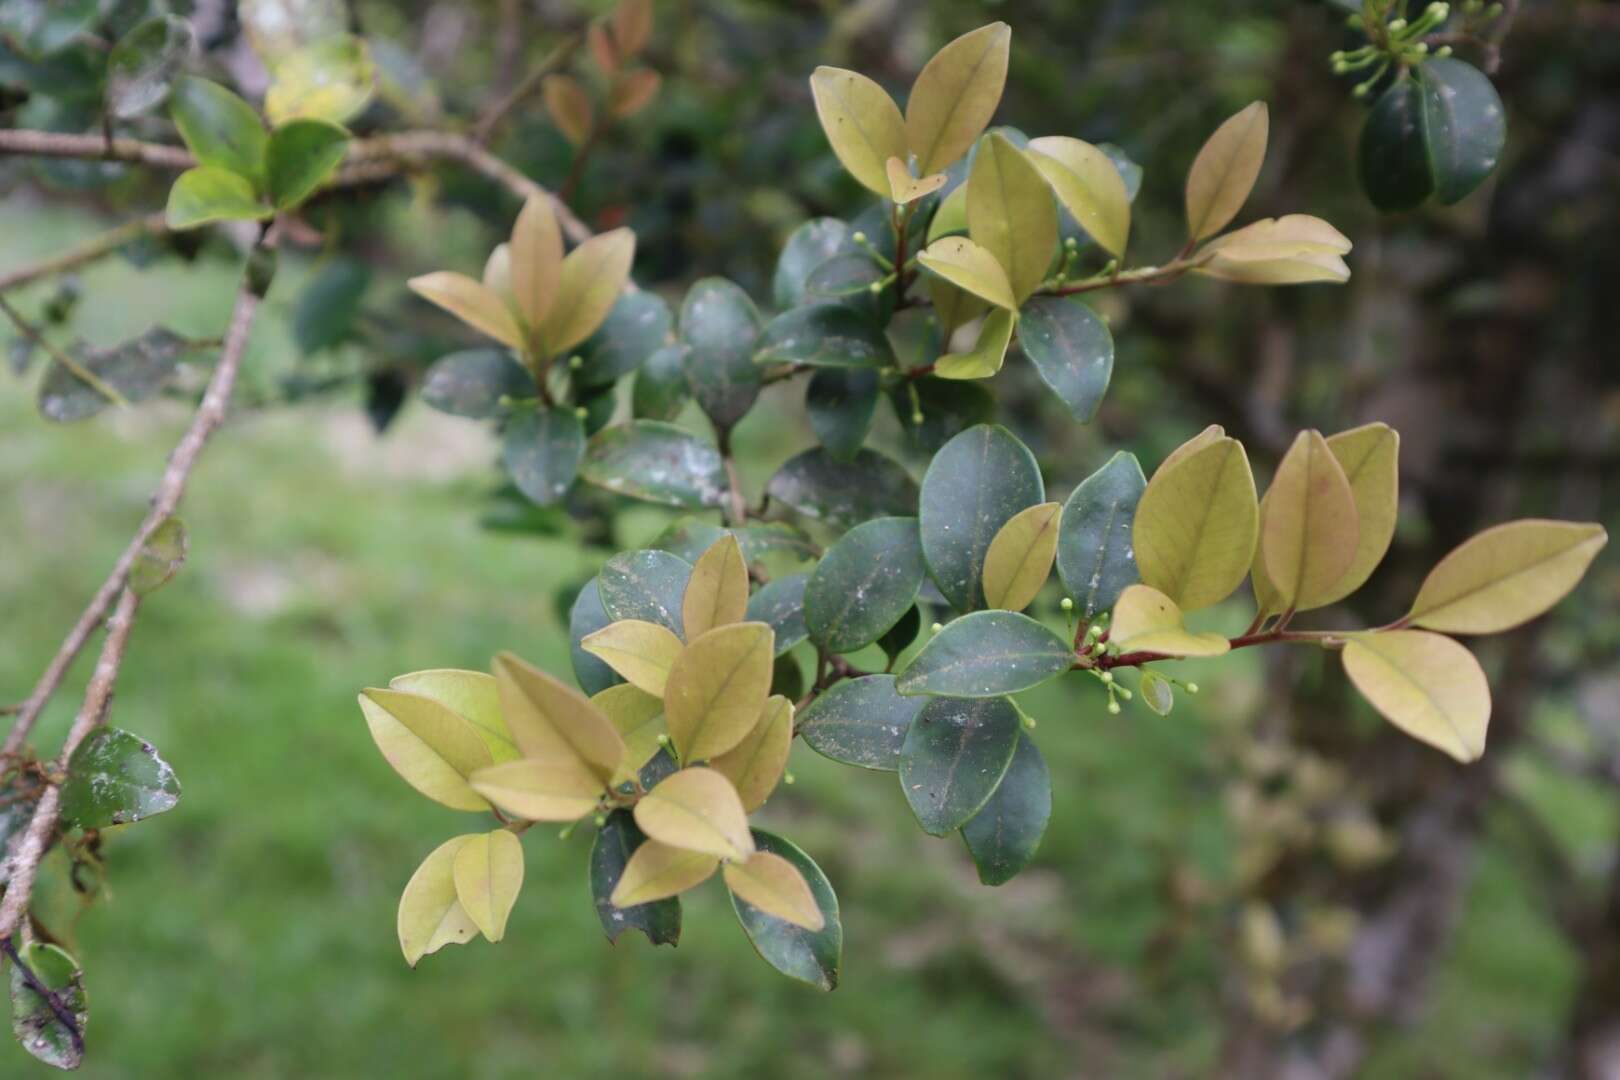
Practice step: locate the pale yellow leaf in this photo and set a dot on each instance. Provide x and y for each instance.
(1019, 559)
(1254, 264)
(498, 273)
(905, 188)
(955, 95)
(950, 217)
(432, 747)
(1011, 214)
(1370, 458)
(1225, 170)
(330, 79)
(430, 917)
(1309, 527)
(569, 106)
(954, 307)
(537, 256)
(470, 301)
(592, 277)
(1146, 620)
(489, 875)
(775, 886)
(639, 719)
(1425, 684)
(1089, 186)
(699, 810)
(717, 591)
(862, 124)
(1210, 434)
(642, 652)
(1299, 231)
(1197, 524)
(988, 353)
(968, 266)
(717, 688)
(755, 765)
(536, 790)
(1506, 575)
(656, 871)
(553, 722)
(470, 694)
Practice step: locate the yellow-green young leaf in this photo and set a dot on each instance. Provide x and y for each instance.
(862, 123)
(955, 95)
(330, 79)
(639, 718)
(536, 790)
(1425, 684)
(433, 748)
(988, 353)
(470, 694)
(905, 188)
(717, 591)
(1213, 433)
(968, 266)
(209, 193)
(953, 306)
(498, 274)
(592, 277)
(489, 876)
(1089, 186)
(717, 688)
(1506, 575)
(551, 721)
(1197, 523)
(1019, 559)
(472, 302)
(697, 809)
(1011, 214)
(1225, 170)
(569, 106)
(1146, 620)
(1370, 458)
(656, 871)
(536, 257)
(642, 652)
(951, 215)
(1292, 250)
(755, 765)
(430, 917)
(775, 886)
(1309, 528)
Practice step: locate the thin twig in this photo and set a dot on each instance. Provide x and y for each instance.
(484, 130)
(89, 251)
(80, 372)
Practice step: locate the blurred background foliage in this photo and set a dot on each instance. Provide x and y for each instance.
(1267, 882)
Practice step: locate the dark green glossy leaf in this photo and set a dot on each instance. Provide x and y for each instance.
(542, 449)
(860, 722)
(809, 956)
(1072, 351)
(1393, 160)
(844, 493)
(1464, 126)
(207, 194)
(138, 369)
(954, 756)
(587, 616)
(825, 335)
(38, 1027)
(898, 638)
(659, 462)
(615, 842)
(218, 127)
(987, 654)
(689, 538)
(142, 67)
(599, 403)
(974, 485)
(719, 322)
(660, 766)
(1004, 836)
(866, 582)
(1095, 559)
(851, 274)
(646, 585)
(948, 407)
(636, 327)
(299, 158)
(811, 244)
(160, 557)
(115, 778)
(41, 28)
(473, 382)
(841, 402)
(780, 604)
(660, 389)
(327, 308)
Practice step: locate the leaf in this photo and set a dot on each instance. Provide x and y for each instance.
(472, 302)
(947, 408)
(780, 605)
(775, 887)
(1087, 183)
(866, 582)
(554, 723)
(862, 124)
(556, 788)
(585, 617)
(1197, 525)
(488, 872)
(616, 841)
(1506, 575)
(433, 748)
(954, 757)
(660, 389)
(656, 872)
(717, 593)
(1011, 213)
(971, 267)
(986, 654)
(1072, 350)
(905, 188)
(810, 245)
(142, 67)
(1004, 836)
(1095, 558)
(1225, 170)
(638, 717)
(328, 305)
(1019, 559)
(569, 106)
(589, 283)
(1425, 684)
(472, 383)
(1369, 456)
(899, 637)
(1157, 693)
(472, 695)
(160, 557)
(844, 493)
(1146, 620)
(755, 765)
(1294, 249)
(1392, 157)
(720, 323)
(636, 327)
(824, 335)
(955, 95)
(861, 721)
(632, 25)
(1309, 527)
(430, 917)
(973, 487)
(1464, 126)
(204, 195)
(716, 690)
(642, 652)
(34, 1021)
(329, 79)
(810, 956)
(219, 128)
(138, 369)
(542, 450)
(300, 156)
(697, 809)
(115, 778)
(634, 92)
(646, 585)
(537, 258)
(841, 403)
(658, 462)
(987, 354)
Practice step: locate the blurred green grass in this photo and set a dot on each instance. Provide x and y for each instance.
(251, 931)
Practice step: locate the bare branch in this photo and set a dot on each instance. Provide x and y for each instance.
(89, 251)
(80, 372)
